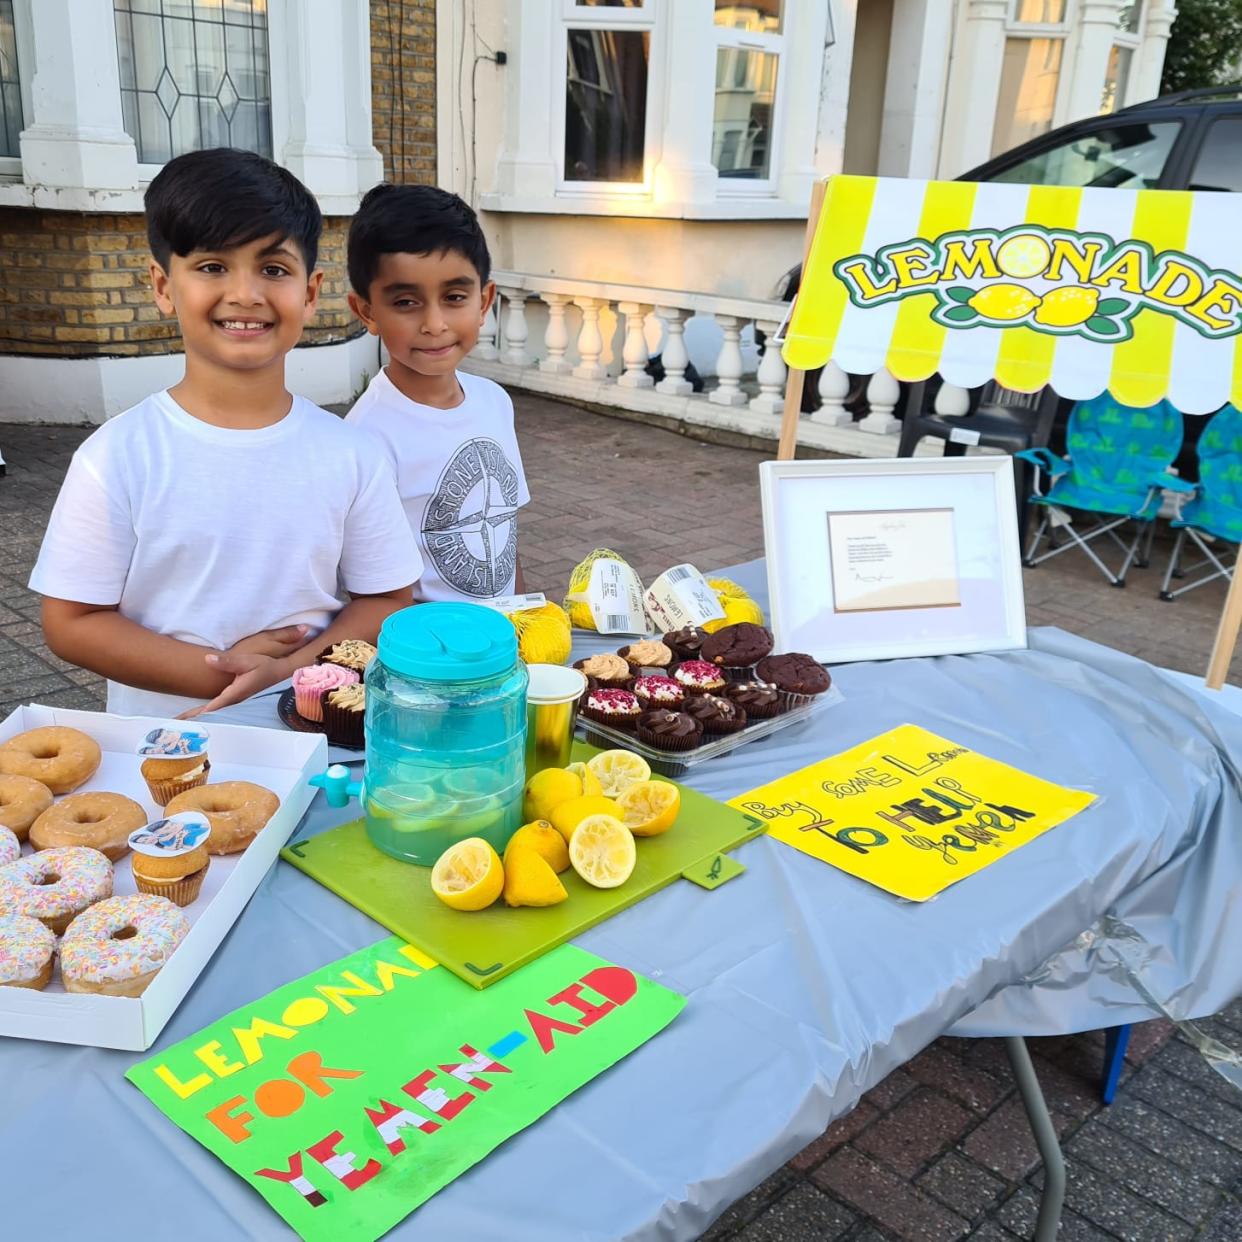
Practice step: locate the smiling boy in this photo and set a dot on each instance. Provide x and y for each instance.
(202, 540)
(419, 267)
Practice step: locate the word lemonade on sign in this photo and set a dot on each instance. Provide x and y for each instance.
(910, 812)
(1085, 283)
(351, 1096)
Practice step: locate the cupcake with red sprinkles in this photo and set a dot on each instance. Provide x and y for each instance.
(698, 677)
(619, 708)
(656, 691)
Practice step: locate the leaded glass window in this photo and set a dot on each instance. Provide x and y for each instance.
(10, 85)
(194, 74)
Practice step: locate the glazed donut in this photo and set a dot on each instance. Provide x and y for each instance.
(10, 846)
(119, 945)
(236, 811)
(102, 821)
(55, 885)
(60, 758)
(26, 950)
(22, 801)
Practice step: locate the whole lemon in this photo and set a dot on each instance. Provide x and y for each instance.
(546, 790)
(1067, 307)
(567, 816)
(543, 634)
(1004, 302)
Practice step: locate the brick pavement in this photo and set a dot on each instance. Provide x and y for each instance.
(940, 1150)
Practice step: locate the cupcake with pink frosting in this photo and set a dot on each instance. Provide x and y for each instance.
(310, 684)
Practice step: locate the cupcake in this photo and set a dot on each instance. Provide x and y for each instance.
(344, 710)
(349, 653)
(170, 857)
(667, 730)
(607, 670)
(619, 708)
(797, 676)
(309, 684)
(737, 649)
(166, 778)
(757, 699)
(648, 656)
(717, 715)
(657, 691)
(685, 643)
(698, 677)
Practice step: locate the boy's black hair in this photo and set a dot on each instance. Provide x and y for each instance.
(412, 219)
(211, 200)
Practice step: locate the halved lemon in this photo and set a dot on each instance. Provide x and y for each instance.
(529, 880)
(544, 840)
(650, 807)
(617, 770)
(567, 816)
(468, 875)
(590, 782)
(602, 851)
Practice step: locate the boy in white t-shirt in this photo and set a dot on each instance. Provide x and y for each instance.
(202, 541)
(419, 268)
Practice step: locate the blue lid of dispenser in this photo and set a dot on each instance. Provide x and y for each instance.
(448, 642)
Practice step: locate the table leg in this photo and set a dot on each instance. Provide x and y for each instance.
(1045, 1139)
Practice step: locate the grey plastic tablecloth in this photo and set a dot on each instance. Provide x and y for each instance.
(805, 987)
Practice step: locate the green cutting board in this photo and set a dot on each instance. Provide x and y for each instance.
(487, 945)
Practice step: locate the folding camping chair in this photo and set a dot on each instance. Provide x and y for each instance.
(1115, 466)
(1215, 505)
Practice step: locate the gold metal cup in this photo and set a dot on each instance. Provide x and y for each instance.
(551, 712)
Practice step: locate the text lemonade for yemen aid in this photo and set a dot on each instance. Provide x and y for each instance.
(350, 1096)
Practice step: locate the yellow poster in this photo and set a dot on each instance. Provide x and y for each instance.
(909, 811)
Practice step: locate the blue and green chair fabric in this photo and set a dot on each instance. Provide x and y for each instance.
(1214, 509)
(1115, 467)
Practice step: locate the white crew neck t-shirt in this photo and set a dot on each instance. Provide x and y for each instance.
(209, 534)
(459, 473)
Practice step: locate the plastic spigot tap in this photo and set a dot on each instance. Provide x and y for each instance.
(336, 785)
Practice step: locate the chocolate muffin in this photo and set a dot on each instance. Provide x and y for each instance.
(757, 699)
(738, 648)
(667, 730)
(797, 676)
(686, 643)
(656, 691)
(717, 715)
(618, 708)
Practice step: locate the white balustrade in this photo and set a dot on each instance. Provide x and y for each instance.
(729, 370)
(771, 373)
(952, 401)
(834, 387)
(590, 342)
(556, 336)
(486, 347)
(516, 332)
(634, 351)
(883, 393)
(673, 355)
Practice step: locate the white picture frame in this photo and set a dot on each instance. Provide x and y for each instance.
(927, 560)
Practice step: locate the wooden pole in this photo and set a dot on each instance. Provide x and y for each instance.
(1226, 633)
(797, 378)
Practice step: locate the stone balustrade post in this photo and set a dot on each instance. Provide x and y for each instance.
(771, 373)
(590, 342)
(516, 330)
(556, 336)
(634, 351)
(834, 387)
(883, 393)
(729, 363)
(486, 349)
(951, 401)
(674, 355)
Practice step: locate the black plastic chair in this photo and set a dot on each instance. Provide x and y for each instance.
(998, 418)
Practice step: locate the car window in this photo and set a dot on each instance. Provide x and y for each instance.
(1121, 157)
(1219, 163)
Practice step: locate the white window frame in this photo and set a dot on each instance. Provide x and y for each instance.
(757, 41)
(11, 165)
(1133, 43)
(648, 19)
(1061, 30)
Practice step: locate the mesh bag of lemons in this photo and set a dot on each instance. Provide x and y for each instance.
(737, 604)
(584, 817)
(543, 634)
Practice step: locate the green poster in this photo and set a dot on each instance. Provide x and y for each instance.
(352, 1095)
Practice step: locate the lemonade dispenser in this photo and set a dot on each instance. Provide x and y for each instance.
(445, 731)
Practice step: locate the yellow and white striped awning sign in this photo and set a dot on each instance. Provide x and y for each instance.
(1133, 291)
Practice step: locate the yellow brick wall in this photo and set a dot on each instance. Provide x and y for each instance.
(403, 88)
(76, 286)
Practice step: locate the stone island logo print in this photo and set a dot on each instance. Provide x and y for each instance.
(470, 523)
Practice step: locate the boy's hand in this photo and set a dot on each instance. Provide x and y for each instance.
(276, 643)
(251, 672)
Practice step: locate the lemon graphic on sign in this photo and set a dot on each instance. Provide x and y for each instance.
(1004, 302)
(1023, 256)
(1067, 307)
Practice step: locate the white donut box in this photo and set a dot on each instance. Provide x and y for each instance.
(283, 762)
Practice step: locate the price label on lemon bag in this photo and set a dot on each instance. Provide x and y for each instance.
(910, 812)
